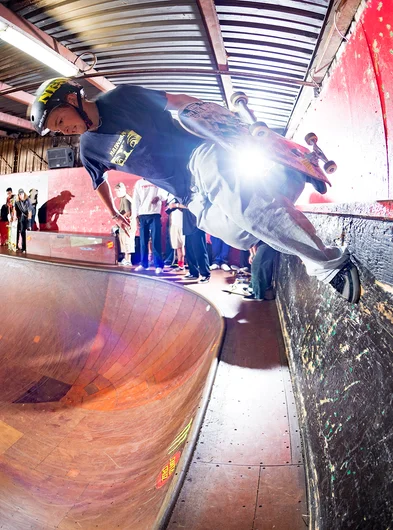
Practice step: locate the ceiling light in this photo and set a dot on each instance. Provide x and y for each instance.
(37, 50)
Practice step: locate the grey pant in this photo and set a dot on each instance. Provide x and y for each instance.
(242, 212)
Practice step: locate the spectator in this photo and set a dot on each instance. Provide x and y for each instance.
(176, 230)
(23, 213)
(196, 251)
(126, 239)
(169, 254)
(262, 261)
(147, 201)
(33, 196)
(245, 260)
(10, 204)
(220, 254)
(4, 222)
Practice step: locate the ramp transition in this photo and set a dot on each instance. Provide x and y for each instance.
(101, 378)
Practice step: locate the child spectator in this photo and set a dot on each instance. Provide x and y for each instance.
(126, 239)
(176, 231)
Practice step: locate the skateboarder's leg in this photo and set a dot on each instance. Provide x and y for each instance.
(258, 207)
(262, 270)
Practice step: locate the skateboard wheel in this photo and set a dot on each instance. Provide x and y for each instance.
(258, 128)
(330, 166)
(237, 97)
(311, 138)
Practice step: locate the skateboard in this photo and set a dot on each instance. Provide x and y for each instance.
(213, 122)
(241, 283)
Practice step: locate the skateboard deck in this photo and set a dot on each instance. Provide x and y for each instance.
(216, 123)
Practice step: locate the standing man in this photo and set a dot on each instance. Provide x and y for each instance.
(220, 254)
(131, 129)
(195, 246)
(262, 260)
(23, 213)
(33, 196)
(147, 202)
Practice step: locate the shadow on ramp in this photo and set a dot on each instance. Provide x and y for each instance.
(103, 381)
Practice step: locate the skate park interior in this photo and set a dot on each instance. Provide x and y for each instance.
(334, 358)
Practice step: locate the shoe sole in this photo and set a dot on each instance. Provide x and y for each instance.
(354, 291)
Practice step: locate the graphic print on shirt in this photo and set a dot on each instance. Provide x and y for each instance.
(124, 146)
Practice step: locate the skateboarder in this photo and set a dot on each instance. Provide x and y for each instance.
(130, 129)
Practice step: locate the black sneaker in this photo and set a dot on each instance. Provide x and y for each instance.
(251, 298)
(347, 284)
(190, 277)
(204, 279)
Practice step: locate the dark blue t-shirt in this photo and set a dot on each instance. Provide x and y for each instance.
(137, 135)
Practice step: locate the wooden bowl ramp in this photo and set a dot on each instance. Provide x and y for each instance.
(101, 377)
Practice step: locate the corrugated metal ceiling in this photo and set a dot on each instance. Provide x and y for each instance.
(270, 38)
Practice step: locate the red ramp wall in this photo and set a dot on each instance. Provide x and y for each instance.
(353, 116)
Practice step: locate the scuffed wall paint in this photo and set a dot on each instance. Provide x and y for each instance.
(353, 115)
(340, 357)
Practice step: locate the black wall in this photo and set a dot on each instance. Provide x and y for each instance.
(341, 360)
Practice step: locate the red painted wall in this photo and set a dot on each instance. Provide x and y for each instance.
(73, 206)
(353, 116)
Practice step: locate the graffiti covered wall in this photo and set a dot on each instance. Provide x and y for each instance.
(341, 354)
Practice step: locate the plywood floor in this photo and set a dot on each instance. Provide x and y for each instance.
(247, 471)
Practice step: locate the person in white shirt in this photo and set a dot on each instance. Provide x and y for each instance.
(146, 207)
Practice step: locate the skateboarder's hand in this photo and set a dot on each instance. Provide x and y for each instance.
(124, 223)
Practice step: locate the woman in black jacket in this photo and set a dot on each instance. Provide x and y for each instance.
(23, 212)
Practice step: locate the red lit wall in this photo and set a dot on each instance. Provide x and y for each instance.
(353, 116)
(72, 204)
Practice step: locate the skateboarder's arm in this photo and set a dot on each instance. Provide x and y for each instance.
(176, 101)
(105, 194)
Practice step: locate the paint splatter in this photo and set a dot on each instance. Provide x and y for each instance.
(352, 384)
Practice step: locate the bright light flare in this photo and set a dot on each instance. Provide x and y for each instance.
(251, 161)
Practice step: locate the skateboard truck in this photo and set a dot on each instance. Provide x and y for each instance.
(329, 165)
(239, 101)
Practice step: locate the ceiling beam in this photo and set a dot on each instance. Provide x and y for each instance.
(20, 96)
(20, 23)
(20, 123)
(213, 28)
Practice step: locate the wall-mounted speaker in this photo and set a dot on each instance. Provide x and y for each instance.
(60, 157)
